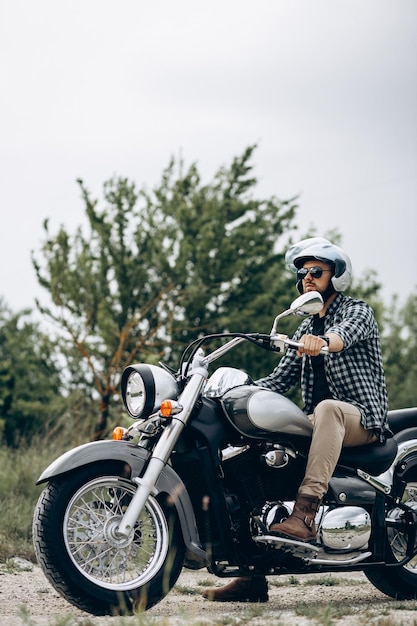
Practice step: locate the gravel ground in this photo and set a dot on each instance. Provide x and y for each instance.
(26, 598)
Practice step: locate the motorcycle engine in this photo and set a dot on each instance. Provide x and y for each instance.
(339, 530)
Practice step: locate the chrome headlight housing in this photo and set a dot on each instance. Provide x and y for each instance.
(144, 387)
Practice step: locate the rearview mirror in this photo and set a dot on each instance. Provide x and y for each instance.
(307, 304)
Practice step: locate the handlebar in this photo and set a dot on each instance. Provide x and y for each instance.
(306, 304)
(280, 343)
(275, 342)
(298, 344)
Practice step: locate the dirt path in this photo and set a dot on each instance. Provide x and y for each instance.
(26, 598)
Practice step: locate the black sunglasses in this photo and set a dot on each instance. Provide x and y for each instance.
(315, 272)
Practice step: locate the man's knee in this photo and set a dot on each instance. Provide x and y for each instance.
(327, 409)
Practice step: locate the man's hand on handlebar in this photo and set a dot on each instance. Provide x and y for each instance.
(311, 345)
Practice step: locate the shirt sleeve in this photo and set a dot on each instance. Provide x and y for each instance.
(354, 323)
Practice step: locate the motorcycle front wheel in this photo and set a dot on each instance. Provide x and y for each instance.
(79, 550)
(398, 582)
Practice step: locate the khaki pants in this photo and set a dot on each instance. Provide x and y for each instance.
(336, 425)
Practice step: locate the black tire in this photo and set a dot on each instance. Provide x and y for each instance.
(86, 562)
(397, 582)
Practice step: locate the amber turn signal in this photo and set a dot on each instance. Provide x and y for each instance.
(169, 408)
(118, 433)
(165, 409)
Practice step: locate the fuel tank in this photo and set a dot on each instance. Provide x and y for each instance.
(258, 412)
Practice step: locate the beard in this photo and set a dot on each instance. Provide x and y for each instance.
(326, 293)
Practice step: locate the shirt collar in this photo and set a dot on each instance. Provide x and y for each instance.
(333, 305)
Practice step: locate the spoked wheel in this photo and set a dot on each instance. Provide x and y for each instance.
(84, 557)
(398, 582)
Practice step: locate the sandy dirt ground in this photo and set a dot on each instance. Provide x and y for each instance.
(26, 597)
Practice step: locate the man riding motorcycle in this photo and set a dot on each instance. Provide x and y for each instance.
(344, 392)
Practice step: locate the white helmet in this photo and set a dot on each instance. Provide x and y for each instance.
(322, 250)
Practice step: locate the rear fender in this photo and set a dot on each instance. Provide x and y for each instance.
(405, 463)
(135, 458)
(390, 481)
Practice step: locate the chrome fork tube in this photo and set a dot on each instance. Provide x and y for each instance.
(162, 452)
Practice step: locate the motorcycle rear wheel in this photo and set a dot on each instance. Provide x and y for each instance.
(77, 546)
(398, 582)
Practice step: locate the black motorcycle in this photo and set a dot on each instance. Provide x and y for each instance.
(208, 465)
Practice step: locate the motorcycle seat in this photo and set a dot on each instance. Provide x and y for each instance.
(374, 458)
(400, 419)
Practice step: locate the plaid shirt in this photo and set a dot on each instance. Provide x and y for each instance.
(354, 375)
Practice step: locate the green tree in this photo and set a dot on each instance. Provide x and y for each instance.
(398, 330)
(155, 269)
(30, 383)
(399, 344)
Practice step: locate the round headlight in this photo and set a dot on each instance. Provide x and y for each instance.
(144, 387)
(135, 394)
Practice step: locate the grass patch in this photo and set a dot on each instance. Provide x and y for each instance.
(403, 605)
(207, 582)
(323, 615)
(65, 620)
(389, 621)
(12, 566)
(284, 582)
(19, 470)
(324, 581)
(316, 581)
(187, 590)
(293, 580)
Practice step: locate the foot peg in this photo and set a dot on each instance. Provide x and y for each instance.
(299, 549)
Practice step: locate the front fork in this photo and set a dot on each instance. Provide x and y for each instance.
(162, 452)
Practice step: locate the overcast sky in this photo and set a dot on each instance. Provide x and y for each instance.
(326, 88)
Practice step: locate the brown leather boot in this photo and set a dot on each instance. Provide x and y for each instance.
(243, 589)
(300, 524)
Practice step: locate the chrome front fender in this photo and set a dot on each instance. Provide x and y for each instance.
(168, 482)
(95, 452)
